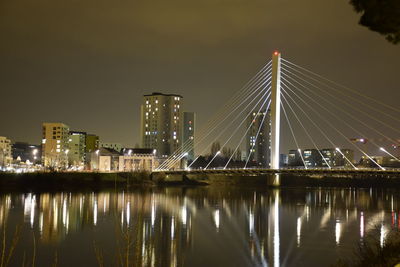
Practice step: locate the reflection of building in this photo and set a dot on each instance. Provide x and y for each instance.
(161, 123)
(189, 121)
(5, 151)
(77, 147)
(55, 145)
(136, 159)
(27, 152)
(258, 138)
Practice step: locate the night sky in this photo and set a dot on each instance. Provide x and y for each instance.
(87, 63)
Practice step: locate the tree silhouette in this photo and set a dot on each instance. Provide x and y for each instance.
(382, 16)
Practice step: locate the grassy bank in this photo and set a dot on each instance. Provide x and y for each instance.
(72, 180)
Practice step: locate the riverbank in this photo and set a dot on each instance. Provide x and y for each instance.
(98, 181)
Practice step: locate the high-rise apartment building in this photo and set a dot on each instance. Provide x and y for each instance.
(189, 122)
(55, 145)
(161, 123)
(5, 152)
(77, 148)
(258, 138)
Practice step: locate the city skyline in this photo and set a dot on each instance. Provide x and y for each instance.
(103, 85)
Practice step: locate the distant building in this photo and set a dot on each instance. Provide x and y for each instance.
(189, 122)
(137, 159)
(335, 159)
(312, 158)
(161, 123)
(104, 160)
(5, 152)
(55, 147)
(258, 138)
(115, 146)
(27, 153)
(294, 158)
(283, 160)
(385, 161)
(77, 148)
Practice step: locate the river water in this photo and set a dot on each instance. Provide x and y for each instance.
(203, 226)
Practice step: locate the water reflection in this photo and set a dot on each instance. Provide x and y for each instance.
(204, 226)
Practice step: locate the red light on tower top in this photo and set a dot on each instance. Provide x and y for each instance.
(276, 53)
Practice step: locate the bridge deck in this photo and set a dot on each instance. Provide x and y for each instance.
(286, 171)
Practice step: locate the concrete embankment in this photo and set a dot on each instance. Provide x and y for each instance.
(98, 181)
(285, 180)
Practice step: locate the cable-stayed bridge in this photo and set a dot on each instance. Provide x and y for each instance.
(288, 106)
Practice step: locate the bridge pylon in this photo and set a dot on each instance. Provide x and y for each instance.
(275, 109)
(275, 113)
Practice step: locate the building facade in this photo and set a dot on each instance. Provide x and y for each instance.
(258, 138)
(5, 152)
(55, 145)
(92, 143)
(313, 158)
(137, 159)
(161, 123)
(77, 148)
(335, 159)
(189, 124)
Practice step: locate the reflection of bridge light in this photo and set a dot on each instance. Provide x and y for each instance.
(362, 225)
(307, 213)
(153, 213)
(298, 231)
(128, 213)
(55, 217)
(337, 232)
(172, 227)
(64, 212)
(184, 215)
(80, 205)
(41, 223)
(251, 223)
(276, 231)
(32, 217)
(95, 212)
(216, 219)
(383, 235)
